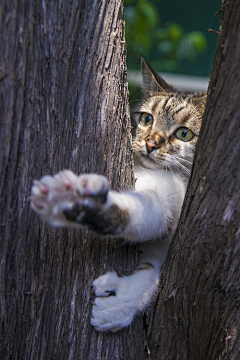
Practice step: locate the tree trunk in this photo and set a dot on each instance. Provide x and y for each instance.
(63, 105)
(197, 315)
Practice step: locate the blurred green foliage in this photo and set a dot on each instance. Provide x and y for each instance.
(146, 36)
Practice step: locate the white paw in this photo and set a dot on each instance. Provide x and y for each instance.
(112, 312)
(65, 196)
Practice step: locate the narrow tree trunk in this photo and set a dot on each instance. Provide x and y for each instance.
(197, 316)
(63, 105)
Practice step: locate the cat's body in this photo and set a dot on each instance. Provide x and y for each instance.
(168, 123)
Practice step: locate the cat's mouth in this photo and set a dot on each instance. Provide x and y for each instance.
(147, 155)
(149, 160)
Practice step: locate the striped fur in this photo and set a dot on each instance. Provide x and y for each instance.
(170, 109)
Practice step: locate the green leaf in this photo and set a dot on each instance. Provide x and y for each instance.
(144, 35)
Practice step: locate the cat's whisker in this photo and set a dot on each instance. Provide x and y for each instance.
(182, 159)
(178, 165)
(181, 166)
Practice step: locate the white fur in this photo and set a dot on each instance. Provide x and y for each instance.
(156, 202)
(158, 199)
(133, 293)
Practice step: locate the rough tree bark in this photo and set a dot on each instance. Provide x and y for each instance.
(63, 105)
(197, 316)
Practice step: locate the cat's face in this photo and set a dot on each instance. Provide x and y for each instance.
(168, 124)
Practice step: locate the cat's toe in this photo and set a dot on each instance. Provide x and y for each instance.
(40, 206)
(67, 178)
(94, 186)
(106, 284)
(111, 314)
(40, 194)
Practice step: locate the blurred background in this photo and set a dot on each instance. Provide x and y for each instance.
(173, 37)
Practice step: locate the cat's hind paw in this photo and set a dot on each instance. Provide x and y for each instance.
(114, 307)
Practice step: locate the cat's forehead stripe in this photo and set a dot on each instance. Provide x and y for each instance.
(177, 110)
(159, 104)
(168, 103)
(164, 103)
(171, 108)
(154, 105)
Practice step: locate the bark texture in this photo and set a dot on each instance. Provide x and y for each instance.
(63, 105)
(197, 316)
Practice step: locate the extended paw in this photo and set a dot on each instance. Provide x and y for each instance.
(92, 193)
(65, 196)
(114, 306)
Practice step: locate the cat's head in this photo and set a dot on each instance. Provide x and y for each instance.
(168, 124)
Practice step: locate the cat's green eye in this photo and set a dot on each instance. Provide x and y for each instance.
(146, 119)
(184, 134)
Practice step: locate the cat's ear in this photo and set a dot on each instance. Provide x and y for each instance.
(152, 82)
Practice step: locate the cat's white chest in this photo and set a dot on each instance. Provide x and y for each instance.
(168, 186)
(155, 205)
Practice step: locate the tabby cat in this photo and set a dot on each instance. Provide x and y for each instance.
(168, 123)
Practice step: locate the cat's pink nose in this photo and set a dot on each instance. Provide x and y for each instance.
(150, 146)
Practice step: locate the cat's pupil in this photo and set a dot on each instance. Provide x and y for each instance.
(148, 118)
(184, 133)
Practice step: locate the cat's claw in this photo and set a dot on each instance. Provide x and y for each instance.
(114, 312)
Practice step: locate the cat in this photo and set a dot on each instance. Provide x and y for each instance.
(167, 127)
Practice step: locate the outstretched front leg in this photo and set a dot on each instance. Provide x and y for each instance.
(70, 200)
